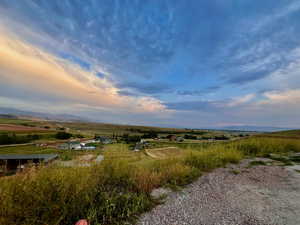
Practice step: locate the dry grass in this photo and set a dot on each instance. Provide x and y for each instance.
(118, 189)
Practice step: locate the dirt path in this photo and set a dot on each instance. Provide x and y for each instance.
(161, 153)
(236, 195)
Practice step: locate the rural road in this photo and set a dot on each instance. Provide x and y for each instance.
(236, 195)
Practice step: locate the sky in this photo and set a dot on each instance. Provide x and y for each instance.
(177, 63)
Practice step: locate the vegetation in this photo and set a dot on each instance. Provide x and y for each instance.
(63, 135)
(12, 138)
(193, 137)
(257, 163)
(130, 139)
(118, 189)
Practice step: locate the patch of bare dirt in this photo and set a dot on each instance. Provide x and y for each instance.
(162, 153)
(12, 127)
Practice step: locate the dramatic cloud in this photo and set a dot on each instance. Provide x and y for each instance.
(172, 63)
(37, 73)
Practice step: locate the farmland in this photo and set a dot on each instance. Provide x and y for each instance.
(46, 130)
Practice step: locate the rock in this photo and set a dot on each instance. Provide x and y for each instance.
(160, 192)
(99, 158)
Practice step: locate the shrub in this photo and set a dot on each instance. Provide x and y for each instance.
(12, 138)
(63, 135)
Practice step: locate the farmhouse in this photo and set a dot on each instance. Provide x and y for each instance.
(76, 145)
(172, 137)
(72, 145)
(176, 138)
(88, 147)
(13, 163)
(104, 140)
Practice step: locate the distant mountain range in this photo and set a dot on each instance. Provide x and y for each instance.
(11, 113)
(256, 128)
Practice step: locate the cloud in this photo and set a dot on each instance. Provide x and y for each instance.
(146, 88)
(261, 44)
(202, 105)
(128, 61)
(215, 106)
(288, 97)
(39, 73)
(241, 100)
(198, 92)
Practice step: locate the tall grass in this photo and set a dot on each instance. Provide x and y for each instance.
(212, 158)
(117, 190)
(266, 146)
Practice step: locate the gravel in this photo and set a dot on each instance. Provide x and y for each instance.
(236, 195)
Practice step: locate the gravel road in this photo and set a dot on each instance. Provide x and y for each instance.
(236, 195)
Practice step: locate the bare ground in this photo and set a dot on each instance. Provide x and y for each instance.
(236, 195)
(13, 127)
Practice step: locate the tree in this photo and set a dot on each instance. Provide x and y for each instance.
(151, 134)
(63, 135)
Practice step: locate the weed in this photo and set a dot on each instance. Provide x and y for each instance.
(257, 163)
(235, 172)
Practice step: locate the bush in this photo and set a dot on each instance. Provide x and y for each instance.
(63, 135)
(131, 139)
(12, 138)
(151, 134)
(192, 137)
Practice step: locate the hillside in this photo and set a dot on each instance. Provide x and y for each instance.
(284, 134)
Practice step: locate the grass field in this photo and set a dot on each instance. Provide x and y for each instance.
(285, 134)
(118, 189)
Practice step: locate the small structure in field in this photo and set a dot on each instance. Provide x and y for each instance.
(13, 162)
(138, 147)
(75, 145)
(180, 139)
(88, 147)
(172, 137)
(142, 144)
(104, 140)
(175, 138)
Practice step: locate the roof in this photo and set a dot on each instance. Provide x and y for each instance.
(74, 142)
(45, 157)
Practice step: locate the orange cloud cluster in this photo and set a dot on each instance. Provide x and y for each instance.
(32, 68)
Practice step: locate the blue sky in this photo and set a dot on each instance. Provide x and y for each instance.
(157, 62)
